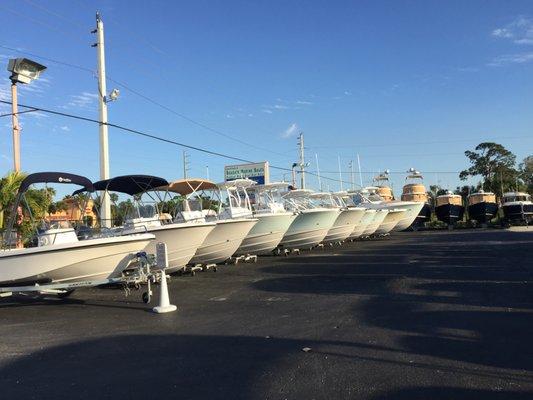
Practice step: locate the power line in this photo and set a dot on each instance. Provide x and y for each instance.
(67, 64)
(154, 137)
(416, 143)
(17, 113)
(146, 98)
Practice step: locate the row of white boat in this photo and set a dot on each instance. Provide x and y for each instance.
(209, 224)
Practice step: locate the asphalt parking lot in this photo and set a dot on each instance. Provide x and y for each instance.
(421, 315)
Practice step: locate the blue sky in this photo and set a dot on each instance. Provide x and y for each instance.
(402, 84)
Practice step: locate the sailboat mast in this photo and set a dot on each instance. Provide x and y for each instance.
(360, 174)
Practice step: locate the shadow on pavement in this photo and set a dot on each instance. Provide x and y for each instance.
(451, 393)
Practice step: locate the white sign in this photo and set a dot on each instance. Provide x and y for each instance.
(258, 172)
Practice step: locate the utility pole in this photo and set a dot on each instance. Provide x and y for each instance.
(302, 160)
(104, 144)
(351, 174)
(340, 172)
(186, 164)
(360, 174)
(318, 173)
(207, 171)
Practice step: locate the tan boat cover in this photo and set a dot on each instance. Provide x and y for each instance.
(188, 186)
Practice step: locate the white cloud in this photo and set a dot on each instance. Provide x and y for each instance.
(267, 111)
(36, 114)
(508, 59)
(467, 69)
(502, 33)
(64, 128)
(520, 31)
(83, 100)
(304, 102)
(290, 131)
(229, 116)
(280, 107)
(347, 93)
(250, 115)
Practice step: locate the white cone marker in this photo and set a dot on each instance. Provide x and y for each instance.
(164, 301)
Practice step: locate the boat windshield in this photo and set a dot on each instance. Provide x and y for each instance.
(510, 199)
(266, 200)
(142, 211)
(235, 203)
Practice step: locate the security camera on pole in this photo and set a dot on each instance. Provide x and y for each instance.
(103, 99)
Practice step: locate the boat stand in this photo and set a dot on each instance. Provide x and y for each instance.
(248, 258)
(207, 267)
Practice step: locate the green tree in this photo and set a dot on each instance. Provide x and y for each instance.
(495, 164)
(526, 173)
(9, 186)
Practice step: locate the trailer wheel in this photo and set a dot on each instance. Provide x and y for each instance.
(146, 298)
(65, 294)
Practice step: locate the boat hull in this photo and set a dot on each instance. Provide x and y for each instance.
(378, 219)
(266, 235)
(391, 220)
(449, 213)
(223, 241)
(182, 241)
(423, 216)
(518, 212)
(309, 228)
(482, 212)
(412, 210)
(366, 220)
(92, 259)
(344, 225)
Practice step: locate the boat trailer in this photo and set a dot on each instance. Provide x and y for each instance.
(149, 269)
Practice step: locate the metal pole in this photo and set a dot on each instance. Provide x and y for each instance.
(351, 175)
(207, 171)
(318, 173)
(360, 174)
(184, 165)
(104, 144)
(293, 176)
(16, 129)
(302, 160)
(340, 173)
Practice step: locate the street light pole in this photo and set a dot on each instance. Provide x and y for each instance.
(22, 70)
(104, 143)
(16, 129)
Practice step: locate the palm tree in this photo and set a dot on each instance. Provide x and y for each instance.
(9, 186)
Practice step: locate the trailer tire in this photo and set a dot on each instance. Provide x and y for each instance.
(65, 294)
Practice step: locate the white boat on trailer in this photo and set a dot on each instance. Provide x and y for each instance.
(346, 221)
(60, 257)
(182, 238)
(266, 205)
(226, 237)
(312, 223)
(366, 220)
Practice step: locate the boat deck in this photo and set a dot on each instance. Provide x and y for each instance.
(418, 315)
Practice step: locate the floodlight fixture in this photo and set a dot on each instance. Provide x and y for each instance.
(24, 70)
(112, 96)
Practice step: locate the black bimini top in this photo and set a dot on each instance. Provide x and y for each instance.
(131, 184)
(56, 177)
